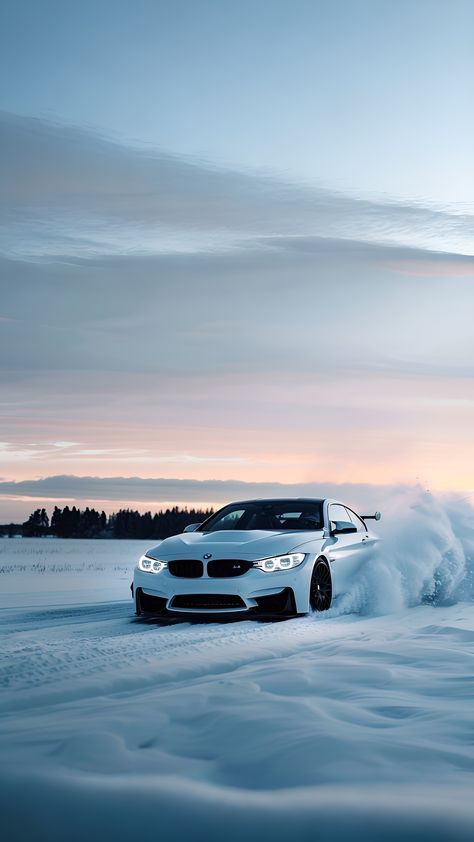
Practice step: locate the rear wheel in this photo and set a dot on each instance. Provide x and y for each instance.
(320, 589)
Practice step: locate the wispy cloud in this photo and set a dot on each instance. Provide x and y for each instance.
(67, 190)
(17, 453)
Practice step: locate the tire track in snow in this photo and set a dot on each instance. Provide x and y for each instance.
(55, 655)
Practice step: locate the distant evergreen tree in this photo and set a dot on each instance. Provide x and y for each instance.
(56, 518)
(37, 524)
(65, 524)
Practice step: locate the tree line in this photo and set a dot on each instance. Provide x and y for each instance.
(90, 523)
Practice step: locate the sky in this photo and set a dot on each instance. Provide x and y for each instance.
(236, 249)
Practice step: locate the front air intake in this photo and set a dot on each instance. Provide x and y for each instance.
(148, 604)
(207, 602)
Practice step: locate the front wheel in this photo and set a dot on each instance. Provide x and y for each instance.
(320, 589)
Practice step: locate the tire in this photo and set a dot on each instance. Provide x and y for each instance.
(320, 589)
(138, 609)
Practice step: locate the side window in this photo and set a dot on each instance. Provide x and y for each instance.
(338, 513)
(357, 521)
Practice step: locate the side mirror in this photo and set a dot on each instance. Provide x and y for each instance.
(343, 528)
(191, 527)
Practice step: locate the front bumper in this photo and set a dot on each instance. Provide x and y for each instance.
(281, 604)
(255, 593)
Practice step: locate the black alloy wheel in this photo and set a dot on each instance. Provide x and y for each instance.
(320, 590)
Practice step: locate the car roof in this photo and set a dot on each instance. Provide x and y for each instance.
(279, 500)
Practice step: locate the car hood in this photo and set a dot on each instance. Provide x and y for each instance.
(251, 544)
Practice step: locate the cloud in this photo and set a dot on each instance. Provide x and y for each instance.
(67, 190)
(397, 258)
(140, 490)
(278, 268)
(166, 312)
(272, 307)
(12, 453)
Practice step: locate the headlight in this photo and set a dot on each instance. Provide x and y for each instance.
(151, 565)
(279, 562)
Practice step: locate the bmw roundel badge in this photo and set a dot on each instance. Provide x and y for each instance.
(207, 555)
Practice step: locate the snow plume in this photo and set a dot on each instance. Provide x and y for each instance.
(426, 555)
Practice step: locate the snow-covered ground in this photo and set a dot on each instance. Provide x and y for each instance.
(356, 724)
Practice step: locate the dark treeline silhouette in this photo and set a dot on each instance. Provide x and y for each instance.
(89, 523)
(129, 524)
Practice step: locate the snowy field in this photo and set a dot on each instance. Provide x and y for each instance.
(356, 724)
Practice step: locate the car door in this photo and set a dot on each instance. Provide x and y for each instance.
(346, 552)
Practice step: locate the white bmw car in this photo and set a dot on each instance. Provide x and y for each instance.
(260, 558)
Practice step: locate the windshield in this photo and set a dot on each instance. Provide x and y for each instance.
(271, 515)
